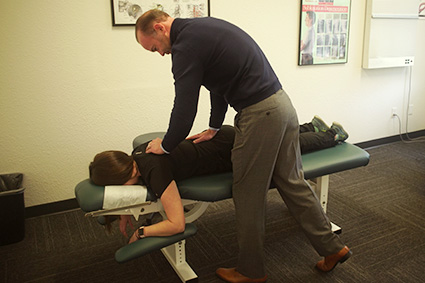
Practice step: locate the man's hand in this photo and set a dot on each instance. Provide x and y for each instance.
(204, 136)
(155, 147)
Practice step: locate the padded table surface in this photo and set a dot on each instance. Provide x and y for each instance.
(342, 157)
(218, 187)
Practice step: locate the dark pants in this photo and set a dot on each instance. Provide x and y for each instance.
(267, 149)
(310, 140)
(307, 59)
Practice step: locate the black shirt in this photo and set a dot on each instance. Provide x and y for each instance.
(187, 160)
(220, 56)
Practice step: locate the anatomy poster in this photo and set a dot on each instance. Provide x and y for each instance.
(324, 30)
(126, 12)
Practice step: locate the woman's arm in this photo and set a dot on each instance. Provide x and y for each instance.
(173, 207)
(124, 220)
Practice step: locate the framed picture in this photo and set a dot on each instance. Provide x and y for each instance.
(126, 12)
(324, 32)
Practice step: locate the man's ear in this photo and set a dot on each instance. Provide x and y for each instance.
(159, 27)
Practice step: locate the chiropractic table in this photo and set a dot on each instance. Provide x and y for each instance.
(199, 191)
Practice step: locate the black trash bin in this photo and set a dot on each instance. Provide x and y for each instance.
(12, 209)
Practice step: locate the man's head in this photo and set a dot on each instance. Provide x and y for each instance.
(310, 18)
(153, 31)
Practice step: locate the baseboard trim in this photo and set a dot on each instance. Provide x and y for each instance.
(50, 208)
(390, 139)
(69, 204)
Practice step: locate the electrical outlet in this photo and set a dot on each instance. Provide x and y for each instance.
(408, 62)
(394, 112)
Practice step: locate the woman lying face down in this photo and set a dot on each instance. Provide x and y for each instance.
(159, 174)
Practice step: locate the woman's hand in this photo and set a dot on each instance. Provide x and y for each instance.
(174, 222)
(204, 136)
(134, 237)
(124, 219)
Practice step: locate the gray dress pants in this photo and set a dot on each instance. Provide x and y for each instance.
(267, 148)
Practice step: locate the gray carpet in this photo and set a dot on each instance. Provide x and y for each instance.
(381, 208)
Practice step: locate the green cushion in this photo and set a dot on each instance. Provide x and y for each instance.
(319, 163)
(342, 157)
(207, 188)
(89, 196)
(218, 187)
(147, 137)
(150, 244)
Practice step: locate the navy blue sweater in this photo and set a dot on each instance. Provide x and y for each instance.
(220, 56)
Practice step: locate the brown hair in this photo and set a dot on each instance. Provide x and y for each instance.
(145, 22)
(111, 168)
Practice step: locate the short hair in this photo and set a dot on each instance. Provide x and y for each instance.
(312, 16)
(111, 168)
(145, 22)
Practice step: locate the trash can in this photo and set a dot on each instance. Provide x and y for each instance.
(12, 209)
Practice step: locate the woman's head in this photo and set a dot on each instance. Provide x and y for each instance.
(112, 168)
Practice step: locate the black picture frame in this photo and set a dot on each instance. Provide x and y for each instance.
(324, 32)
(126, 12)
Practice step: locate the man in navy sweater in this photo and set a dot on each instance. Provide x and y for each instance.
(224, 59)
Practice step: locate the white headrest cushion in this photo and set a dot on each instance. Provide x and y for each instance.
(119, 196)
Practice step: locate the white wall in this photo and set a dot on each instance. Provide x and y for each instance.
(71, 85)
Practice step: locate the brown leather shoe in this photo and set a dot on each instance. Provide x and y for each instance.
(330, 261)
(231, 275)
